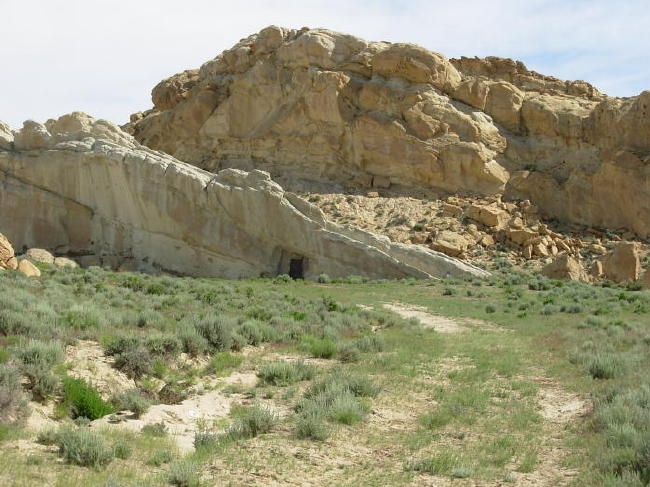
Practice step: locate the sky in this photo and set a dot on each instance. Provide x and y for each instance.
(103, 57)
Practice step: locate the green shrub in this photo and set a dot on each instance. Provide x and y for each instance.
(122, 449)
(13, 405)
(82, 400)
(158, 430)
(324, 279)
(132, 400)
(285, 373)
(254, 420)
(222, 362)
(161, 457)
(80, 446)
(311, 425)
(346, 408)
(348, 353)
(340, 382)
(36, 352)
(370, 343)
(217, 330)
(134, 362)
(120, 344)
(322, 347)
(82, 317)
(163, 345)
(47, 436)
(192, 342)
(42, 382)
(15, 322)
(183, 473)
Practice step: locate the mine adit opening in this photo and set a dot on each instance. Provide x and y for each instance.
(296, 270)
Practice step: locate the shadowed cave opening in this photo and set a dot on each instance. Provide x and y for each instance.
(296, 270)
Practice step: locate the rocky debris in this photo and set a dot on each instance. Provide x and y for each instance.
(450, 243)
(490, 216)
(622, 263)
(565, 266)
(28, 269)
(7, 258)
(443, 225)
(39, 255)
(93, 190)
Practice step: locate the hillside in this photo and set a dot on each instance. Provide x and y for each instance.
(328, 112)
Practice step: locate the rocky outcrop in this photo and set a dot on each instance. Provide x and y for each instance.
(82, 187)
(7, 258)
(327, 107)
(317, 106)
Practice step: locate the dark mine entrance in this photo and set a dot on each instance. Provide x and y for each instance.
(295, 269)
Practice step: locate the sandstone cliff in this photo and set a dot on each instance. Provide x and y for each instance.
(315, 106)
(83, 187)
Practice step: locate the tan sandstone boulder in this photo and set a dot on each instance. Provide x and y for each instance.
(490, 216)
(450, 243)
(39, 255)
(28, 269)
(6, 253)
(65, 262)
(622, 263)
(565, 266)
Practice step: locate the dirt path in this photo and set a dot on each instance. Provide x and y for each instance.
(437, 323)
(558, 407)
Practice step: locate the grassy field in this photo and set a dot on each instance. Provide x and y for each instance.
(538, 382)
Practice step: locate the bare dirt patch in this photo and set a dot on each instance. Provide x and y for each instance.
(560, 409)
(438, 323)
(88, 362)
(181, 420)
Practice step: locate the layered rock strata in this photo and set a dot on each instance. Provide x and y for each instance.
(83, 187)
(315, 107)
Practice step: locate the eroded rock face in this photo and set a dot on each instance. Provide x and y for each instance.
(322, 107)
(6, 253)
(82, 187)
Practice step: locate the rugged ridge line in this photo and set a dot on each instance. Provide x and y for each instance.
(313, 107)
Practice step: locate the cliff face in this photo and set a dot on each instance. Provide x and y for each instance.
(83, 187)
(315, 107)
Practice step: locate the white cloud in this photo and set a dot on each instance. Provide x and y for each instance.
(104, 56)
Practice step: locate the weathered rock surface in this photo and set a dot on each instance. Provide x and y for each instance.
(319, 106)
(29, 269)
(565, 267)
(622, 263)
(322, 106)
(65, 262)
(6, 252)
(82, 187)
(39, 255)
